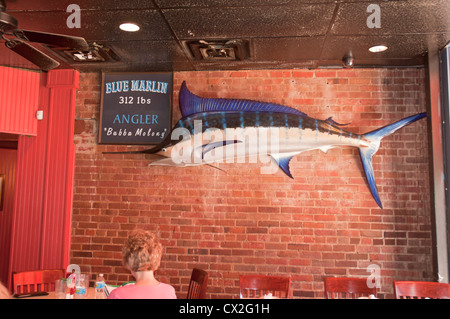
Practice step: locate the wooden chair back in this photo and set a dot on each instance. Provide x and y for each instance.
(347, 288)
(421, 290)
(197, 284)
(258, 286)
(37, 280)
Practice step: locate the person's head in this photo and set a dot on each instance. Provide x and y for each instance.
(142, 251)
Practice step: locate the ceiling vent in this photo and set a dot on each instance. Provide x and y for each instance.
(96, 53)
(217, 50)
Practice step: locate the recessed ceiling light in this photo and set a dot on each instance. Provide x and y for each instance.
(129, 27)
(378, 48)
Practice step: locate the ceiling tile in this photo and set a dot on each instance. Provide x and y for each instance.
(248, 22)
(140, 52)
(286, 49)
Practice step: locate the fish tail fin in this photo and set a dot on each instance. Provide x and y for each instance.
(375, 137)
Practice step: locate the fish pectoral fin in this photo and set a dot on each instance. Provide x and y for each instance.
(283, 160)
(210, 146)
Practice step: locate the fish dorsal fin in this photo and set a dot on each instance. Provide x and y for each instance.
(192, 104)
(283, 160)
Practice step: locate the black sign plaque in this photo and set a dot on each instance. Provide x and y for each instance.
(136, 108)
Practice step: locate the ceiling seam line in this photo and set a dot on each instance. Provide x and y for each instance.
(327, 35)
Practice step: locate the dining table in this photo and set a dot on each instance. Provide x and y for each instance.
(90, 294)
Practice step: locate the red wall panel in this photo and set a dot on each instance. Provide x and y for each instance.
(59, 171)
(8, 159)
(19, 93)
(42, 212)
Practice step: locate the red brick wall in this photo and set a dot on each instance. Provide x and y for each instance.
(324, 222)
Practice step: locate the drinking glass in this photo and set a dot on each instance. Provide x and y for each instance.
(60, 289)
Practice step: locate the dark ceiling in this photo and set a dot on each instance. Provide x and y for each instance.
(276, 34)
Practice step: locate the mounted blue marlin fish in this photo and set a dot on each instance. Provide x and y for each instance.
(213, 130)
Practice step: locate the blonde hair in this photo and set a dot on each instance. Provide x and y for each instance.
(142, 251)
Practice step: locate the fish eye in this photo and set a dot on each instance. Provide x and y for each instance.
(163, 150)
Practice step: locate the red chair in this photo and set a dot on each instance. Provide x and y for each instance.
(198, 284)
(258, 286)
(421, 290)
(36, 281)
(347, 288)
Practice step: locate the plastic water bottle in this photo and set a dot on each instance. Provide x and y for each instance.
(70, 286)
(100, 287)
